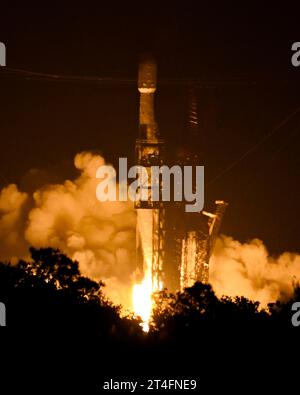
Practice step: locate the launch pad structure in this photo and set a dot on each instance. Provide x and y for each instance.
(173, 247)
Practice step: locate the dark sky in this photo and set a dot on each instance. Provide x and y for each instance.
(245, 50)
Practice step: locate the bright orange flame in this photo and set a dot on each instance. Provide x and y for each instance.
(142, 292)
(142, 300)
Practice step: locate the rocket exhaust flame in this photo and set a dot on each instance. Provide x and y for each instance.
(142, 292)
(142, 300)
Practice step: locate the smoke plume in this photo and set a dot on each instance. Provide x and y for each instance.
(68, 216)
(247, 270)
(101, 237)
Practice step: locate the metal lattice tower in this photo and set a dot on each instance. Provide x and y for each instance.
(202, 228)
(197, 247)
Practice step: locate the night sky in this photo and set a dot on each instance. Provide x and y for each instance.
(240, 54)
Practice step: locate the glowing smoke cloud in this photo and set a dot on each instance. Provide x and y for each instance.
(101, 236)
(247, 270)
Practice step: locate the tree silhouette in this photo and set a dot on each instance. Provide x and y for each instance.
(49, 294)
(54, 310)
(198, 308)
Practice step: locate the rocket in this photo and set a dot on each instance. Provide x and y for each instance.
(147, 87)
(149, 147)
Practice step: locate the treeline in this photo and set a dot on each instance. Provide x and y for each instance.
(49, 292)
(62, 329)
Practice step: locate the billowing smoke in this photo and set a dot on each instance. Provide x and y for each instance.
(101, 237)
(13, 206)
(247, 270)
(68, 216)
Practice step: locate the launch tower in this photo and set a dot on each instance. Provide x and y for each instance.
(182, 258)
